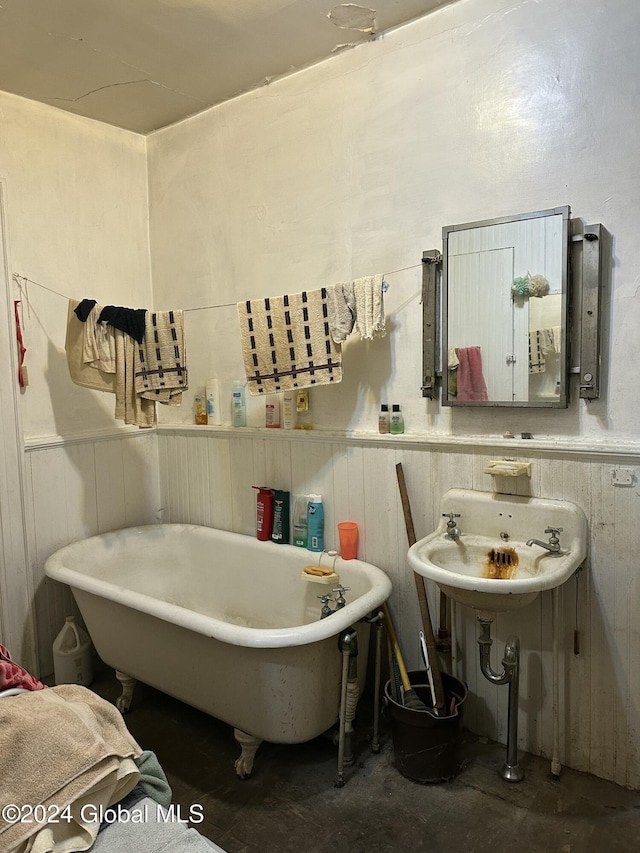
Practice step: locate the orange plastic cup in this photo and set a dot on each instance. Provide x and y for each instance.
(348, 535)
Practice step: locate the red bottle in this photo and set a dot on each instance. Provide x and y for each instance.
(264, 513)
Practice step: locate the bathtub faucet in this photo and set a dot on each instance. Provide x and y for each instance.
(326, 607)
(340, 600)
(328, 599)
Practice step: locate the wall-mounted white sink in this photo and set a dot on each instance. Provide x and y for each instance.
(489, 565)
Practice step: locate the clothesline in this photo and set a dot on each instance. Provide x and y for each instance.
(20, 279)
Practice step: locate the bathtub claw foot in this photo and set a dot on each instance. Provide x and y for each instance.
(249, 744)
(123, 702)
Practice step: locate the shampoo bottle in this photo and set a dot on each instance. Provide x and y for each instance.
(280, 532)
(238, 406)
(300, 527)
(315, 523)
(213, 402)
(264, 513)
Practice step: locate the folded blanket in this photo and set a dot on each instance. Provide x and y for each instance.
(287, 343)
(59, 747)
(153, 780)
(157, 833)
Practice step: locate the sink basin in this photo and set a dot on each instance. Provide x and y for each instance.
(489, 566)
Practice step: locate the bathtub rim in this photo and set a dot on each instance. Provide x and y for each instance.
(209, 626)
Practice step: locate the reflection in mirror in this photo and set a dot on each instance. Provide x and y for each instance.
(505, 311)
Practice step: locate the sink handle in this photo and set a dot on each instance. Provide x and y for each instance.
(554, 530)
(451, 515)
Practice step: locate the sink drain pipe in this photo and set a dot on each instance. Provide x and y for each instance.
(511, 771)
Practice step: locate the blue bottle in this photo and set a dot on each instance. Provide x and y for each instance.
(315, 523)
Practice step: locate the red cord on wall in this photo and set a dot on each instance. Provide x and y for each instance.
(21, 347)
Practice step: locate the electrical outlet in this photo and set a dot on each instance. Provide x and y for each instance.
(622, 477)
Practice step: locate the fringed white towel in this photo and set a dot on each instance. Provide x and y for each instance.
(369, 307)
(160, 362)
(287, 343)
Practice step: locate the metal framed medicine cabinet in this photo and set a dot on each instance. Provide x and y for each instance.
(506, 294)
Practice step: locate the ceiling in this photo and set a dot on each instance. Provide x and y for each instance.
(144, 64)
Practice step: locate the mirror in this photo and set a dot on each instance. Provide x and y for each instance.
(504, 311)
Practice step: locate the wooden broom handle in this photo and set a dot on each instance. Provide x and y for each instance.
(422, 595)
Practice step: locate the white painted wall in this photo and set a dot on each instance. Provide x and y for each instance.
(76, 212)
(76, 223)
(482, 109)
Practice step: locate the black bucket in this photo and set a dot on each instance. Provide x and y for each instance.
(426, 746)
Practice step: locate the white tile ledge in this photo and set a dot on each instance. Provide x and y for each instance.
(573, 446)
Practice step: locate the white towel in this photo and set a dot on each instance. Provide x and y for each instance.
(369, 307)
(99, 343)
(80, 372)
(341, 307)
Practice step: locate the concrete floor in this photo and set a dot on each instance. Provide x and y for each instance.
(291, 804)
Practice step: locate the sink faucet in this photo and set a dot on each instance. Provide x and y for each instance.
(453, 531)
(553, 545)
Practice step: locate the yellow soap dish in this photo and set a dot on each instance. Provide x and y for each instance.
(319, 574)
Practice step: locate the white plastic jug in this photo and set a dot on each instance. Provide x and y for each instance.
(72, 662)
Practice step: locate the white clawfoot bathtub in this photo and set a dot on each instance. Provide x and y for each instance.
(222, 622)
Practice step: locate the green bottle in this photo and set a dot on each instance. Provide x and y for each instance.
(397, 421)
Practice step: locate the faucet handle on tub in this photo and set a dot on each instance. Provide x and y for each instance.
(340, 600)
(326, 609)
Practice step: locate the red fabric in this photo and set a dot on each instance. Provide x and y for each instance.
(471, 384)
(13, 675)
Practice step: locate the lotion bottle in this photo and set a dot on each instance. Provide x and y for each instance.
(315, 523)
(238, 406)
(213, 402)
(300, 527)
(289, 410)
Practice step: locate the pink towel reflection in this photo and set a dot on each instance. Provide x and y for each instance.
(471, 384)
